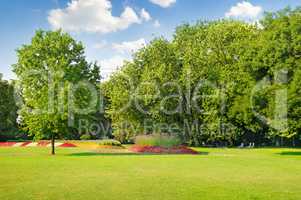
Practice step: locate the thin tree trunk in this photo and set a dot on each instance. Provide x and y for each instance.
(52, 145)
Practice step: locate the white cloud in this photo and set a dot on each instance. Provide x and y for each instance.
(145, 15)
(244, 10)
(129, 46)
(91, 16)
(157, 24)
(163, 3)
(108, 66)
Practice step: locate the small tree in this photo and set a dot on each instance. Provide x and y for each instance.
(54, 77)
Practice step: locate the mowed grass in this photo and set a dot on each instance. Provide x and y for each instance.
(216, 174)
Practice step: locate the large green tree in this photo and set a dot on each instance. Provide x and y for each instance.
(58, 85)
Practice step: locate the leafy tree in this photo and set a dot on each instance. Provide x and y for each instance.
(282, 39)
(8, 109)
(58, 85)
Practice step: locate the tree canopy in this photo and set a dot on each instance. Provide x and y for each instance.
(58, 85)
(214, 82)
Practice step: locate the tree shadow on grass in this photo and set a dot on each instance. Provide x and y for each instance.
(84, 154)
(290, 153)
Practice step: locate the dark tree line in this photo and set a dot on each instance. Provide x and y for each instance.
(8, 112)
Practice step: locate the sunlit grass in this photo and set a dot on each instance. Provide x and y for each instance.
(225, 174)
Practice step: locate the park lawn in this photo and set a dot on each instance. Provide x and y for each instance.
(216, 174)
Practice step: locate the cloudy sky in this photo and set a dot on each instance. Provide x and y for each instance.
(112, 30)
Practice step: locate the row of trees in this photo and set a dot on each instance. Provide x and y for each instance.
(220, 82)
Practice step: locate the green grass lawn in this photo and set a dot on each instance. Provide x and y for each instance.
(76, 174)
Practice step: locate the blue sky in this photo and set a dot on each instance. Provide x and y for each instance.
(112, 30)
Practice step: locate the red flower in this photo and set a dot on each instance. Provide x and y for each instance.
(158, 150)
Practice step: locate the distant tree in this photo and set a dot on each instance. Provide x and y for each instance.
(58, 85)
(8, 108)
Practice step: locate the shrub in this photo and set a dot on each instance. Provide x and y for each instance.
(158, 140)
(14, 135)
(85, 137)
(109, 143)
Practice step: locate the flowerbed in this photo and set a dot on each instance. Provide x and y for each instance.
(35, 144)
(43, 143)
(67, 145)
(24, 144)
(162, 150)
(94, 144)
(110, 147)
(7, 144)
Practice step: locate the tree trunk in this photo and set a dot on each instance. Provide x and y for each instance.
(52, 145)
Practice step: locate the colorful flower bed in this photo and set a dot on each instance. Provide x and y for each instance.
(24, 144)
(43, 143)
(67, 145)
(35, 144)
(162, 150)
(110, 147)
(95, 144)
(7, 144)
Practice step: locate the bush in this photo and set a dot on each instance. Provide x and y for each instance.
(14, 135)
(110, 143)
(158, 140)
(85, 137)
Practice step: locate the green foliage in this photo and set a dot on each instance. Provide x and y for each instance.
(157, 140)
(85, 137)
(8, 111)
(14, 135)
(223, 76)
(53, 75)
(109, 142)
